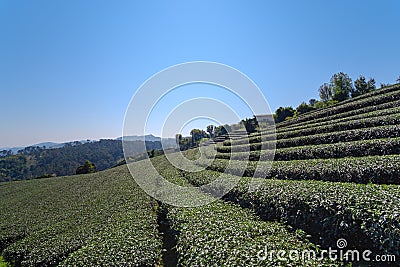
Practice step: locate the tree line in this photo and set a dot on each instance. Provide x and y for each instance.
(339, 88)
(198, 135)
(250, 125)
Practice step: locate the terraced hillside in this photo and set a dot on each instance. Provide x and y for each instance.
(335, 176)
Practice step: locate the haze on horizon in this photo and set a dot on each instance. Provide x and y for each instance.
(68, 70)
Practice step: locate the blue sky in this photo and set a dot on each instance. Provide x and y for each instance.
(68, 69)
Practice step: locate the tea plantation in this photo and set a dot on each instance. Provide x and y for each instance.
(336, 175)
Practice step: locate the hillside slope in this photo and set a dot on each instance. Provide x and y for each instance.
(34, 162)
(336, 176)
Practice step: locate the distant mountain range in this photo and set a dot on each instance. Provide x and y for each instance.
(148, 137)
(169, 142)
(47, 145)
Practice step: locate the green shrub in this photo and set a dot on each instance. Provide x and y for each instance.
(371, 169)
(375, 147)
(375, 98)
(390, 131)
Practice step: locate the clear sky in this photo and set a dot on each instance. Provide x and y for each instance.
(68, 69)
